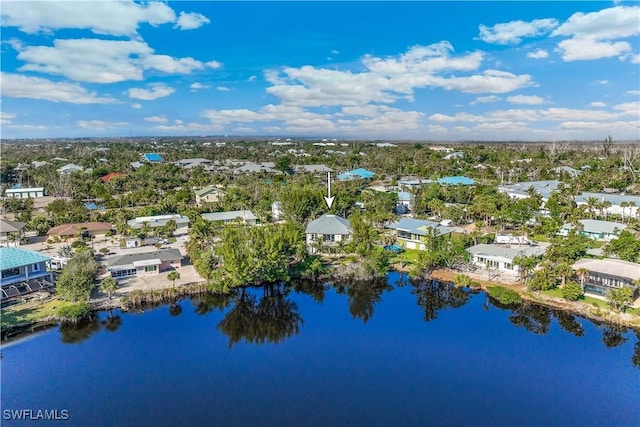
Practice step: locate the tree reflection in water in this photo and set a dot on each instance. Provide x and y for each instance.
(76, 333)
(363, 296)
(314, 288)
(534, 318)
(112, 323)
(208, 302)
(271, 319)
(434, 296)
(612, 335)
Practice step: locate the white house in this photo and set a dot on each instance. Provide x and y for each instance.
(22, 272)
(158, 221)
(69, 169)
(209, 194)
(500, 257)
(328, 230)
(596, 229)
(24, 193)
(410, 232)
(244, 216)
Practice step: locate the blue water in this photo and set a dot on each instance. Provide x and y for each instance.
(361, 356)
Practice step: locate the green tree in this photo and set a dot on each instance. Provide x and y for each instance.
(525, 264)
(572, 291)
(462, 280)
(173, 276)
(109, 285)
(620, 299)
(76, 280)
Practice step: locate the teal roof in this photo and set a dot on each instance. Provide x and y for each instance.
(356, 173)
(456, 180)
(14, 257)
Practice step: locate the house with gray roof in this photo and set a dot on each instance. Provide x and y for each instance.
(22, 272)
(158, 221)
(410, 232)
(328, 231)
(314, 169)
(250, 167)
(566, 169)
(625, 205)
(193, 163)
(500, 257)
(242, 216)
(608, 274)
(69, 169)
(595, 229)
(144, 264)
(11, 232)
(520, 190)
(209, 194)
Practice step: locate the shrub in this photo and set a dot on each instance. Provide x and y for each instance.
(504, 295)
(572, 291)
(74, 312)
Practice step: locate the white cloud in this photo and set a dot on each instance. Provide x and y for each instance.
(156, 119)
(538, 54)
(104, 61)
(223, 89)
(155, 91)
(136, 106)
(526, 99)
(99, 124)
(117, 18)
(598, 34)
(29, 127)
(490, 81)
(20, 86)
(584, 49)
(191, 21)
(606, 24)
(633, 92)
(178, 122)
(629, 108)
(597, 104)
(5, 118)
(513, 32)
(197, 86)
(252, 78)
(485, 99)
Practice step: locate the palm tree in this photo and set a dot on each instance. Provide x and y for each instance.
(109, 285)
(174, 275)
(583, 274)
(564, 270)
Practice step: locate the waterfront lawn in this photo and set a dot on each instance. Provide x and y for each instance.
(590, 301)
(409, 256)
(31, 311)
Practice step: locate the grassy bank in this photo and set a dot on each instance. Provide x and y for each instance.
(31, 312)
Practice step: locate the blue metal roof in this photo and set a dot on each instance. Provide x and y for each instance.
(456, 180)
(152, 157)
(14, 257)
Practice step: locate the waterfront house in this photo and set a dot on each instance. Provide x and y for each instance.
(158, 221)
(595, 229)
(209, 194)
(81, 229)
(242, 216)
(328, 230)
(608, 274)
(22, 272)
(410, 232)
(24, 193)
(500, 257)
(356, 173)
(69, 169)
(11, 232)
(144, 264)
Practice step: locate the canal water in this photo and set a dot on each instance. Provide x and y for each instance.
(390, 353)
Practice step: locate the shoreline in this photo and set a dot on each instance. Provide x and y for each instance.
(161, 296)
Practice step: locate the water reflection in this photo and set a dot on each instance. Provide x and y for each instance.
(612, 335)
(362, 297)
(112, 323)
(76, 333)
(206, 303)
(269, 319)
(315, 289)
(434, 296)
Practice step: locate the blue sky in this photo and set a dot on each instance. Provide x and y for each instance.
(384, 70)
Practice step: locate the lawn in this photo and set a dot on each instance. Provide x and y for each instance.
(409, 256)
(589, 301)
(31, 311)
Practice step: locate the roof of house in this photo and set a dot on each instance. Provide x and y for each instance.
(456, 180)
(108, 177)
(404, 196)
(192, 163)
(129, 260)
(568, 169)
(72, 229)
(544, 188)
(597, 226)
(136, 165)
(329, 224)
(246, 215)
(614, 199)
(614, 267)
(7, 226)
(152, 157)
(356, 173)
(14, 257)
(508, 252)
(257, 167)
(70, 167)
(419, 226)
(23, 189)
(455, 155)
(208, 190)
(158, 220)
(312, 168)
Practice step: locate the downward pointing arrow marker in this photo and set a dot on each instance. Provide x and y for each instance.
(328, 199)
